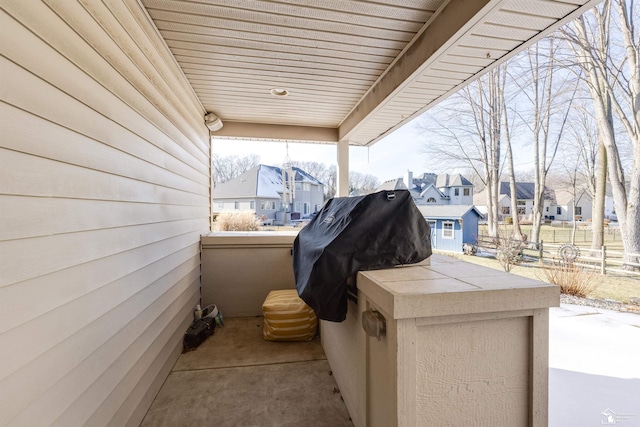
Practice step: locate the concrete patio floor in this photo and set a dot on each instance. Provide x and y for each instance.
(237, 379)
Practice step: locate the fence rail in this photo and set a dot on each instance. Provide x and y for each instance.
(602, 259)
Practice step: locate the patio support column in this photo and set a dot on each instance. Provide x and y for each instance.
(343, 169)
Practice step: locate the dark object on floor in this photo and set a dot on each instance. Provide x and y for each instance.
(198, 332)
(352, 234)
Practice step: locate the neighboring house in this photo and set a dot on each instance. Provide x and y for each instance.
(524, 197)
(563, 209)
(451, 225)
(504, 204)
(432, 189)
(261, 189)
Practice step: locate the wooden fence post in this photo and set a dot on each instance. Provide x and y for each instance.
(540, 250)
(603, 260)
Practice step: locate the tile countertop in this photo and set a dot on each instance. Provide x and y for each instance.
(449, 286)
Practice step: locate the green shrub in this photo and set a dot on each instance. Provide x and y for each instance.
(508, 220)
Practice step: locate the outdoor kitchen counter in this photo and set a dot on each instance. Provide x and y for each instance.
(452, 287)
(464, 345)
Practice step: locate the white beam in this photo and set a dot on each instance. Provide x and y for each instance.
(275, 132)
(343, 169)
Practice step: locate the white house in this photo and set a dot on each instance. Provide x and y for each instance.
(563, 209)
(261, 189)
(524, 194)
(504, 204)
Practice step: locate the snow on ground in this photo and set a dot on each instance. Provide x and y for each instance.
(594, 367)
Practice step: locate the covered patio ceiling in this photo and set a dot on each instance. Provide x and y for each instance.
(331, 71)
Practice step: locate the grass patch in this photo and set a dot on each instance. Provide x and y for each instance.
(610, 286)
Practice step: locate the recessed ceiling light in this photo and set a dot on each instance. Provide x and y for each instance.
(279, 92)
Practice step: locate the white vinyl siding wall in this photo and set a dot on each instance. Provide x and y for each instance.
(104, 192)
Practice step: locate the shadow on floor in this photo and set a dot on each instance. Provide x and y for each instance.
(235, 378)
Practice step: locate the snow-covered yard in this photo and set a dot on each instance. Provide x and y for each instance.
(594, 373)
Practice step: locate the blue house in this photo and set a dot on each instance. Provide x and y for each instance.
(451, 225)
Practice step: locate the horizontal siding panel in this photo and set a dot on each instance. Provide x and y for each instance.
(153, 59)
(83, 357)
(136, 113)
(135, 405)
(30, 175)
(105, 189)
(101, 145)
(17, 305)
(94, 38)
(66, 250)
(98, 399)
(28, 217)
(88, 153)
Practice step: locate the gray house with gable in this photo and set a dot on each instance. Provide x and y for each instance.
(261, 188)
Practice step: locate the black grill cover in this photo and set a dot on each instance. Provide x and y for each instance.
(352, 234)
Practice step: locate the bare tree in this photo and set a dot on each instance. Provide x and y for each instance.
(229, 167)
(544, 88)
(517, 232)
(364, 183)
(613, 77)
(468, 134)
(591, 166)
(315, 169)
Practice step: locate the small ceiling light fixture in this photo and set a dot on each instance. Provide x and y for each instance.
(278, 91)
(213, 122)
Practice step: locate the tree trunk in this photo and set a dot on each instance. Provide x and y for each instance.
(598, 200)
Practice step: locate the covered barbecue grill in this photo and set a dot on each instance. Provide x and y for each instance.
(352, 234)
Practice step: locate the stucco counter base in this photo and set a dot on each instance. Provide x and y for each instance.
(464, 345)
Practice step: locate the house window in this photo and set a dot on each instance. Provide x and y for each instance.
(521, 210)
(252, 204)
(578, 210)
(558, 210)
(521, 203)
(466, 191)
(262, 206)
(456, 192)
(220, 205)
(306, 186)
(447, 229)
(306, 208)
(506, 210)
(431, 200)
(297, 207)
(298, 186)
(236, 205)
